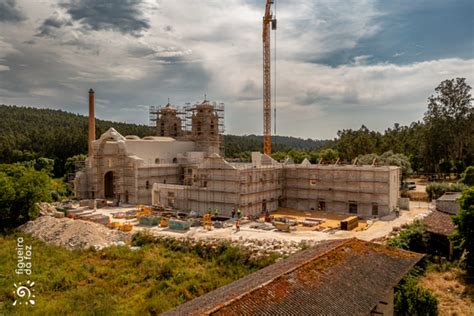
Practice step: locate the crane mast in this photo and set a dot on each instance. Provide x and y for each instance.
(267, 107)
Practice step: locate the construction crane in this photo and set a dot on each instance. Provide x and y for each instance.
(268, 19)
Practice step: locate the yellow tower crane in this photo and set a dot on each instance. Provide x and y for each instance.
(268, 19)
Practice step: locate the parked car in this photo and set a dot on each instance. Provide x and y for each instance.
(409, 185)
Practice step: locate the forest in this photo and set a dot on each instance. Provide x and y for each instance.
(441, 142)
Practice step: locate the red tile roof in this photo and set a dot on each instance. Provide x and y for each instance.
(439, 223)
(338, 277)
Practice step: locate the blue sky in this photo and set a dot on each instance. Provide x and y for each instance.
(340, 63)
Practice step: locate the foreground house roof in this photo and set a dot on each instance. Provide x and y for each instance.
(338, 277)
(440, 223)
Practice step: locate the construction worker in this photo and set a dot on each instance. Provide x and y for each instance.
(237, 225)
(233, 212)
(239, 213)
(216, 212)
(207, 221)
(267, 216)
(209, 211)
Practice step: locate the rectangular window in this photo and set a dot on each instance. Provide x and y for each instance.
(353, 207)
(375, 210)
(322, 206)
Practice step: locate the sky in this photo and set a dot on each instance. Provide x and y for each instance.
(339, 63)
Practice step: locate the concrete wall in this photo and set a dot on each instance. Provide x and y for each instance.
(165, 150)
(370, 188)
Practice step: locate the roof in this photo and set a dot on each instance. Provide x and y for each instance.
(335, 277)
(439, 223)
(450, 196)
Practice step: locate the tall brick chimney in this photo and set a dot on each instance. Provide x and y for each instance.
(91, 123)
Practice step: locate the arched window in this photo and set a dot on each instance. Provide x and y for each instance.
(175, 160)
(157, 161)
(147, 184)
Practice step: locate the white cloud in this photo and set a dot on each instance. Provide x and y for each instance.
(192, 48)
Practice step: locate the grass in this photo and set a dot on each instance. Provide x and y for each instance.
(454, 293)
(118, 280)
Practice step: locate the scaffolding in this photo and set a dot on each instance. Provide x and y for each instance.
(155, 113)
(218, 111)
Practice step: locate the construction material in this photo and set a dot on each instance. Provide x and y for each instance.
(350, 223)
(149, 220)
(284, 227)
(126, 227)
(58, 214)
(74, 213)
(177, 224)
(163, 222)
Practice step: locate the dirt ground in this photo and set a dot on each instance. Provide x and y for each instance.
(455, 296)
(368, 230)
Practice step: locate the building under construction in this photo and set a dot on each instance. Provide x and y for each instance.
(183, 167)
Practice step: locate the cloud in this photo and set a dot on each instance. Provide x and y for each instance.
(124, 16)
(51, 24)
(9, 12)
(331, 69)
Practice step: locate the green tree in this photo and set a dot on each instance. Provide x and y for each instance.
(465, 227)
(450, 122)
(21, 188)
(353, 143)
(279, 156)
(412, 300)
(413, 237)
(388, 159)
(329, 154)
(437, 189)
(468, 176)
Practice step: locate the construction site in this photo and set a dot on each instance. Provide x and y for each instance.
(182, 169)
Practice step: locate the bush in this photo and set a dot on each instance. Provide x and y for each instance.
(413, 237)
(142, 238)
(437, 189)
(467, 177)
(464, 235)
(411, 299)
(21, 188)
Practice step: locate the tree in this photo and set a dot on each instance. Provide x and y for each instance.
(465, 227)
(413, 237)
(329, 154)
(279, 156)
(353, 143)
(21, 188)
(468, 176)
(388, 159)
(450, 122)
(410, 299)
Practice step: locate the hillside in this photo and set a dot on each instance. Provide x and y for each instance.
(27, 133)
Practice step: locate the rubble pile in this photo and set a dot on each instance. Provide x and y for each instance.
(73, 234)
(46, 208)
(257, 247)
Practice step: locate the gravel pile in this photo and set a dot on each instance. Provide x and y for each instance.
(73, 234)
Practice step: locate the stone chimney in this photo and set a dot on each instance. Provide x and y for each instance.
(91, 123)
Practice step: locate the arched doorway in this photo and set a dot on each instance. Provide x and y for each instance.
(109, 185)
